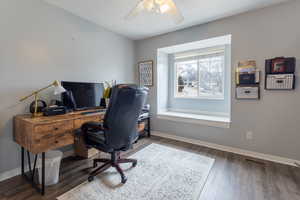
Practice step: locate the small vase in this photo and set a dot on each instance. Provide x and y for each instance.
(103, 103)
(107, 102)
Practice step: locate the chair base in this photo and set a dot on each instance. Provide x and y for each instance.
(115, 162)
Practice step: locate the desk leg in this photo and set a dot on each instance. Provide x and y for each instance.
(22, 161)
(43, 173)
(149, 127)
(30, 175)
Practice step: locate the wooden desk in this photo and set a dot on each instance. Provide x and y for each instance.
(41, 134)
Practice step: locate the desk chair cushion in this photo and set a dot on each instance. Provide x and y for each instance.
(97, 140)
(95, 136)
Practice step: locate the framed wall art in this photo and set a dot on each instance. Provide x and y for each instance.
(146, 73)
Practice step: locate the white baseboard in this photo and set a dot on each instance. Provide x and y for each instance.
(243, 152)
(10, 173)
(17, 171)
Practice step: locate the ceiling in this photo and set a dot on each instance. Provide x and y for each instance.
(110, 14)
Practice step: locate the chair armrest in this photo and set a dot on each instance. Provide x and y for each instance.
(92, 126)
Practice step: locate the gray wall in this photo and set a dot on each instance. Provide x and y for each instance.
(40, 43)
(259, 35)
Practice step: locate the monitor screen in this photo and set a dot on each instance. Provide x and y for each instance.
(85, 95)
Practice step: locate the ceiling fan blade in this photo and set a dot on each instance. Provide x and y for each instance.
(174, 12)
(135, 11)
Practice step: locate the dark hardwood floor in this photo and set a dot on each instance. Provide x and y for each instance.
(233, 177)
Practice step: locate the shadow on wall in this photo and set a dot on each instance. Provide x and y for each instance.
(8, 110)
(8, 148)
(297, 70)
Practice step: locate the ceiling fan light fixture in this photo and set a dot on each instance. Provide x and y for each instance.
(157, 6)
(148, 5)
(160, 2)
(164, 8)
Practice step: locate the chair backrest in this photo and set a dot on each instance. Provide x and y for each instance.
(121, 117)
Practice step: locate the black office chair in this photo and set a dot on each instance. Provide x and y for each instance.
(118, 132)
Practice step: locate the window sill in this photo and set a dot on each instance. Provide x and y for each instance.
(200, 98)
(209, 120)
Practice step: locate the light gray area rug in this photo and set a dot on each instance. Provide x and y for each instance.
(162, 173)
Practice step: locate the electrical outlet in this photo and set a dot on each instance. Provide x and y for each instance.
(249, 135)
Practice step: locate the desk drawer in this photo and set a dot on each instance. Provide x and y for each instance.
(53, 129)
(78, 122)
(64, 139)
(52, 142)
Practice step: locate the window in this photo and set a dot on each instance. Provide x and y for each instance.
(199, 74)
(194, 82)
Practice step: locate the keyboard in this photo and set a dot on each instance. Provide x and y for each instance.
(93, 112)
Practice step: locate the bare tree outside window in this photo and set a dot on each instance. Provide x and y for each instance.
(187, 79)
(200, 78)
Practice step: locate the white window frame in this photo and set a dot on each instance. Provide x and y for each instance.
(201, 53)
(163, 75)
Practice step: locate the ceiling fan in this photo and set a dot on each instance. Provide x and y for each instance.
(158, 6)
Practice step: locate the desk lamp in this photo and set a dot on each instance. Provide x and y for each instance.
(58, 89)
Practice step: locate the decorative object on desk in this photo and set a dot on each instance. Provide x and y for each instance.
(247, 80)
(58, 89)
(40, 106)
(280, 73)
(146, 73)
(107, 92)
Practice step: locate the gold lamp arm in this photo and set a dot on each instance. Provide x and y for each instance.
(55, 83)
(35, 94)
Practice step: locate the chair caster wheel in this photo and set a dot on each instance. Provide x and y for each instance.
(134, 164)
(124, 179)
(90, 178)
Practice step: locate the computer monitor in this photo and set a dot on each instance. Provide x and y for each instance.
(85, 95)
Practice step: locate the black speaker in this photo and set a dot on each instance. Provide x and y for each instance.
(68, 100)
